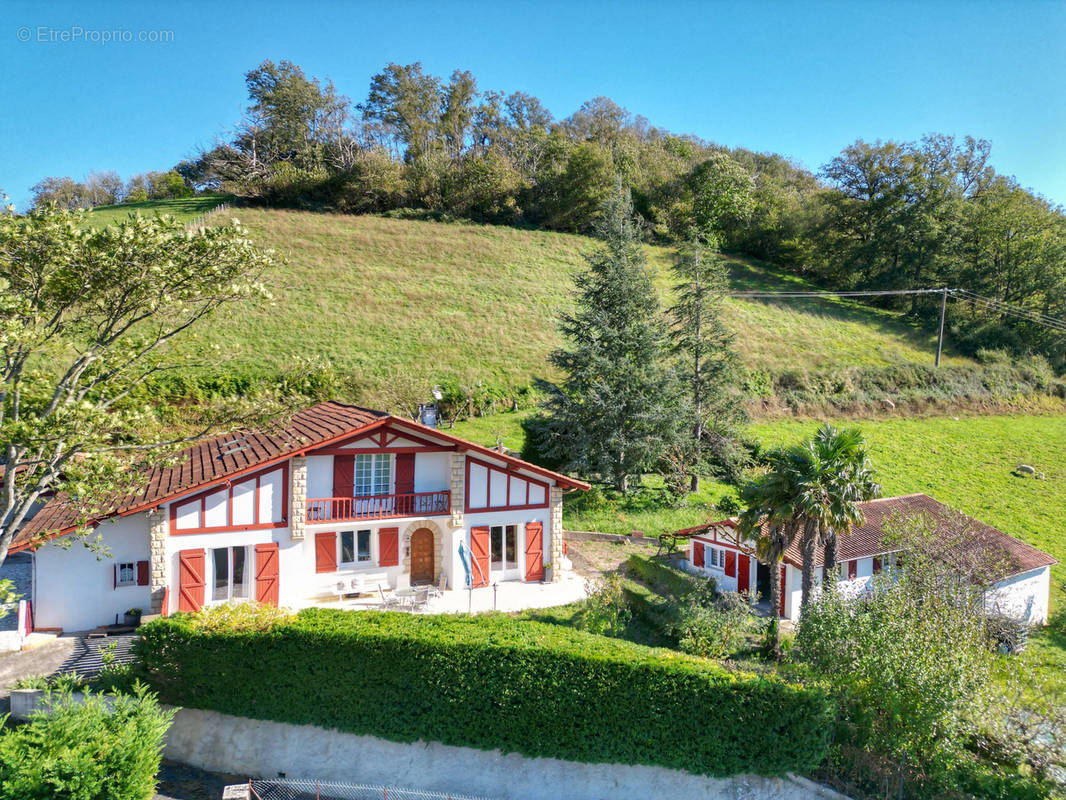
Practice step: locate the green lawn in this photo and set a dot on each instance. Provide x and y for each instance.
(184, 209)
(399, 305)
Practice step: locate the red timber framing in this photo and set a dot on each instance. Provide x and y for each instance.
(381, 440)
(511, 503)
(229, 484)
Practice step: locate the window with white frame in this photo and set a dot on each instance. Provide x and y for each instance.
(127, 574)
(230, 578)
(373, 474)
(355, 548)
(714, 557)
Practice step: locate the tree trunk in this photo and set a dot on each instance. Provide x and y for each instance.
(774, 630)
(830, 559)
(694, 483)
(807, 548)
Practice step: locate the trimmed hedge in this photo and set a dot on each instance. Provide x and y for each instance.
(492, 682)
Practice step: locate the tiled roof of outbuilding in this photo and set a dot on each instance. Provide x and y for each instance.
(866, 540)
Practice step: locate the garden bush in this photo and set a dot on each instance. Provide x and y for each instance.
(93, 750)
(492, 682)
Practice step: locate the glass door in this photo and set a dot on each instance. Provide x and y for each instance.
(503, 561)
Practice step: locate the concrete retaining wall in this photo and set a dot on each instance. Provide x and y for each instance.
(259, 749)
(593, 536)
(219, 742)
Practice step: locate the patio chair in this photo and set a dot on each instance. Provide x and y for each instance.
(421, 598)
(387, 602)
(437, 591)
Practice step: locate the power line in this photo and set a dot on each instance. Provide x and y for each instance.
(964, 295)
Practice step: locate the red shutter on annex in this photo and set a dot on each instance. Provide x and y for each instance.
(743, 572)
(730, 564)
(191, 580)
(326, 552)
(534, 551)
(266, 573)
(853, 569)
(388, 547)
(697, 554)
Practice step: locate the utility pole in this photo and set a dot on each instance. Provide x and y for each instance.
(940, 335)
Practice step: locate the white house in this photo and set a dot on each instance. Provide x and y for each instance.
(716, 550)
(282, 516)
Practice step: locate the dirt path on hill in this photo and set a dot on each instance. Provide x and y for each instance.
(593, 558)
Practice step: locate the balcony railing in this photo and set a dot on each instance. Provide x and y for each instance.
(381, 506)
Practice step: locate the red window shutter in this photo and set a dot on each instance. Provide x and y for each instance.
(326, 552)
(343, 475)
(266, 573)
(534, 551)
(730, 564)
(743, 573)
(877, 564)
(388, 547)
(405, 473)
(853, 569)
(114, 576)
(191, 580)
(479, 551)
(142, 573)
(697, 554)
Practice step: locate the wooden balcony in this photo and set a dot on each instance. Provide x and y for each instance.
(381, 506)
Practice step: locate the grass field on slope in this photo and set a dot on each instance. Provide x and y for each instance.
(433, 301)
(183, 209)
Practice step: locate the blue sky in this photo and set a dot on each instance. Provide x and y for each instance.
(803, 79)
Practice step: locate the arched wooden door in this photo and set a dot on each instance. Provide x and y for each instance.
(422, 556)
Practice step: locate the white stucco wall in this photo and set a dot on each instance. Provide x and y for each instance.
(74, 587)
(433, 472)
(214, 741)
(1023, 596)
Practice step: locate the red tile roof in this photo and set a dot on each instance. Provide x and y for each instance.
(865, 540)
(211, 460)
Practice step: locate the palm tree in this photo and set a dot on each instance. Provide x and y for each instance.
(770, 519)
(830, 475)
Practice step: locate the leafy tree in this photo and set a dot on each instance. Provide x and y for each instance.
(87, 317)
(707, 361)
(909, 661)
(618, 410)
(100, 749)
(65, 193)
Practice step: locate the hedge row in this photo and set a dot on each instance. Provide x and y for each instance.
(492, 682)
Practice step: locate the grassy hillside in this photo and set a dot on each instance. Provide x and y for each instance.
(184, 209)
(429, 301)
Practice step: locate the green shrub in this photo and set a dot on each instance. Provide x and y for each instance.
(85, 751)
(492, 682)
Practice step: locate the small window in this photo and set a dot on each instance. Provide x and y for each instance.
(373, 473)
(229, 577)
(127, 574)
(355, 547)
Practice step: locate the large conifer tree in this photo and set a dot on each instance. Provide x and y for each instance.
(708, 364)
(617, 411)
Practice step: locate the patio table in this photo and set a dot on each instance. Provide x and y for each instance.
(406, 595)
